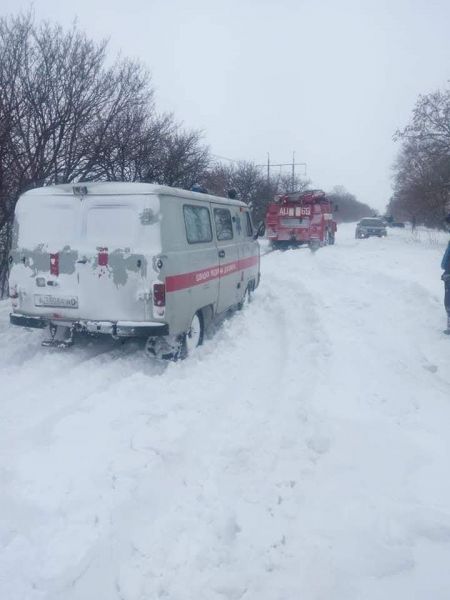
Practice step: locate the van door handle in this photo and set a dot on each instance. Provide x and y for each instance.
(83, 261)
(221, 253)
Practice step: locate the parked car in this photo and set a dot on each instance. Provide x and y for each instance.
(130, 260)
(370, 227)
(389, 221)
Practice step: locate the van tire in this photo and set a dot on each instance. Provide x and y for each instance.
(165, 347)
(247, 298)
(194, 335)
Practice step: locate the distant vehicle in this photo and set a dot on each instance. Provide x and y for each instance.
(130, 260)
(389, 221)
(397, 224)
(370, 227)
(300, 218)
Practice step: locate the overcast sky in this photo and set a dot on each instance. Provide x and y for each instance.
(330, 80)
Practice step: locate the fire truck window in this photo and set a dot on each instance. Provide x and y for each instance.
(249, 225)
(224, 227)
(198, 224)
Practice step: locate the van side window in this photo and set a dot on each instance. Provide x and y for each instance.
(198, 224)
(224, 227)
(249, 225)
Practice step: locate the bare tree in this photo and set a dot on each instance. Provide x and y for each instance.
(184, 159)
(422, 169)
(65, 115)
(347, 207)
(250, 184)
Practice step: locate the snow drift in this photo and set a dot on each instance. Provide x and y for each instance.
(302, 452)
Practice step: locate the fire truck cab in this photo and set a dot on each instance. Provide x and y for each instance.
(301, 218)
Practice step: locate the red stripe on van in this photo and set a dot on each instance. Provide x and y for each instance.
(187, 280)
(246, 263)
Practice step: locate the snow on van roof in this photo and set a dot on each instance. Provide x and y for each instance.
(107, 188)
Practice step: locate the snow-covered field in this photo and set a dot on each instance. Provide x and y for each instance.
(303, 453)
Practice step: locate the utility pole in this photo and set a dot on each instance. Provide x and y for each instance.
(292, 164)
(293, 171)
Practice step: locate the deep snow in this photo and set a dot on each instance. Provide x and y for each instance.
(302, 453)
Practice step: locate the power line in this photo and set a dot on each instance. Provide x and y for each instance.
(292, 164)
(269, 165)
(225, 158)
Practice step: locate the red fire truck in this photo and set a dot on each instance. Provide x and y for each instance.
(299, 218)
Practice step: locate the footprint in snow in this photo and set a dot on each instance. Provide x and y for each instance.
(319, 444)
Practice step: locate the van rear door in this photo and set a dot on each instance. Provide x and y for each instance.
(44, 255)
(115, 248)
(85, 258)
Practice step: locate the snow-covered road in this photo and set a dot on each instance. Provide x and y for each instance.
(302, 453)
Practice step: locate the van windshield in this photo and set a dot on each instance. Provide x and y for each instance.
(372, 223)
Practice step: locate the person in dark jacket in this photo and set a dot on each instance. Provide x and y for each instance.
(445, 265)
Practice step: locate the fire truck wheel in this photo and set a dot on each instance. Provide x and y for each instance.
(194, 335)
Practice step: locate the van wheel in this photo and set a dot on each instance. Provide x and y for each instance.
(246, 299)
(194, 335)
(164, 348)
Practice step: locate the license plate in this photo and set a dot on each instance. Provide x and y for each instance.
(294, 222)
(56, 301)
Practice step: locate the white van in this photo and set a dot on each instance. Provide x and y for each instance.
(129, 260)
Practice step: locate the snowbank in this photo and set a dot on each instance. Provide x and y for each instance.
(302, 452)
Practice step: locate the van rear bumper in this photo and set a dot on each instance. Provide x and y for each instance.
(25, 321)
(115, 328)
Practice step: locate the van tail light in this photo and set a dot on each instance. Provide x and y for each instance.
(159, 294)
(54, 264)
(13, 292)
(102, 257)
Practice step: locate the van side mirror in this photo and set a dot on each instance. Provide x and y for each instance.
(260, 231)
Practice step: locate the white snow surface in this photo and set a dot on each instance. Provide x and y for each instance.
(302, 453)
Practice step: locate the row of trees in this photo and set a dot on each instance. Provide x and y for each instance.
(253, 187)
(67, 114)
(250, 184)
(349, 208)
(422, 169)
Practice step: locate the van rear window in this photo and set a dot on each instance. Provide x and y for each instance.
(198, 224)
(111, 225)
(53, 225)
